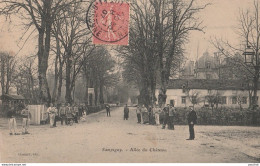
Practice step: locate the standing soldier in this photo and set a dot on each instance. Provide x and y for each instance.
(171, 117)
(157, 112)
(55, 115)
(108, 109)
(51, 110)
(192, 119)
(11, 121)
(165, 116)
(138, 113)
(62, 113)
(68, 112)
(144, 113)
(76, 113)
(26, 120)
(126, 112)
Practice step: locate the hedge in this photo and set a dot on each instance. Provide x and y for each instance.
(220, 116)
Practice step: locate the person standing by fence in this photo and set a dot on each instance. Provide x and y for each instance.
(192, 119)
(26, 120)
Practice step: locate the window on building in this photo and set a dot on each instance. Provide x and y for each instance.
(183, 99)
(244, 100)
(208, 65)
(194, 99)
(234, 100)
(223, 100)
(183, 90)
(172, 102)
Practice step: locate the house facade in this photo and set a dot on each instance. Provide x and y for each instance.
(202, 92)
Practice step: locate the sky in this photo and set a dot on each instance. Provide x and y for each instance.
(219, 19)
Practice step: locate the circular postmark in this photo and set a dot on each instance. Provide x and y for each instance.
(108, 20)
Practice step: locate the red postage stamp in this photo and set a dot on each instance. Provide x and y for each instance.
(110, 23)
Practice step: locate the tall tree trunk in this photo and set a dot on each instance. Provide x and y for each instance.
(145, 98)
(3, 74)
(8, 66)
(101, 92)
(68, 96)
(162, 93)
(256, 79)
(153, 88)
(96, 94)
(31, 83)
(60, 79)
(56, 77)
(43, 52)
(43, 84)
(85, 79)
(42, 69)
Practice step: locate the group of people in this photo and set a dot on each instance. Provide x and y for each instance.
(65, 114)
(26, 117)
(69, 113)
(164, 116)
(149, 115)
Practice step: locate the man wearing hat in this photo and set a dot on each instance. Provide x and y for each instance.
(192, 119)
(165, 116)
(12, 121)
(126, 112)
(108, 109)
(26, 120)
(138, 113)
(52, 112)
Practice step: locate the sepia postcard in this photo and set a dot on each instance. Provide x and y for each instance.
(129, 81)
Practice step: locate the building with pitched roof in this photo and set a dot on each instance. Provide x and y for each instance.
(203, 92)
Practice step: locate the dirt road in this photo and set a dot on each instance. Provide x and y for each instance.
(112, 139)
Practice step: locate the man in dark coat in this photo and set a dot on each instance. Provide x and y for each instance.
(165, 116)
(192, 119)
(62, 114)
(108, 110)
(126, 112)
(138, 113)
